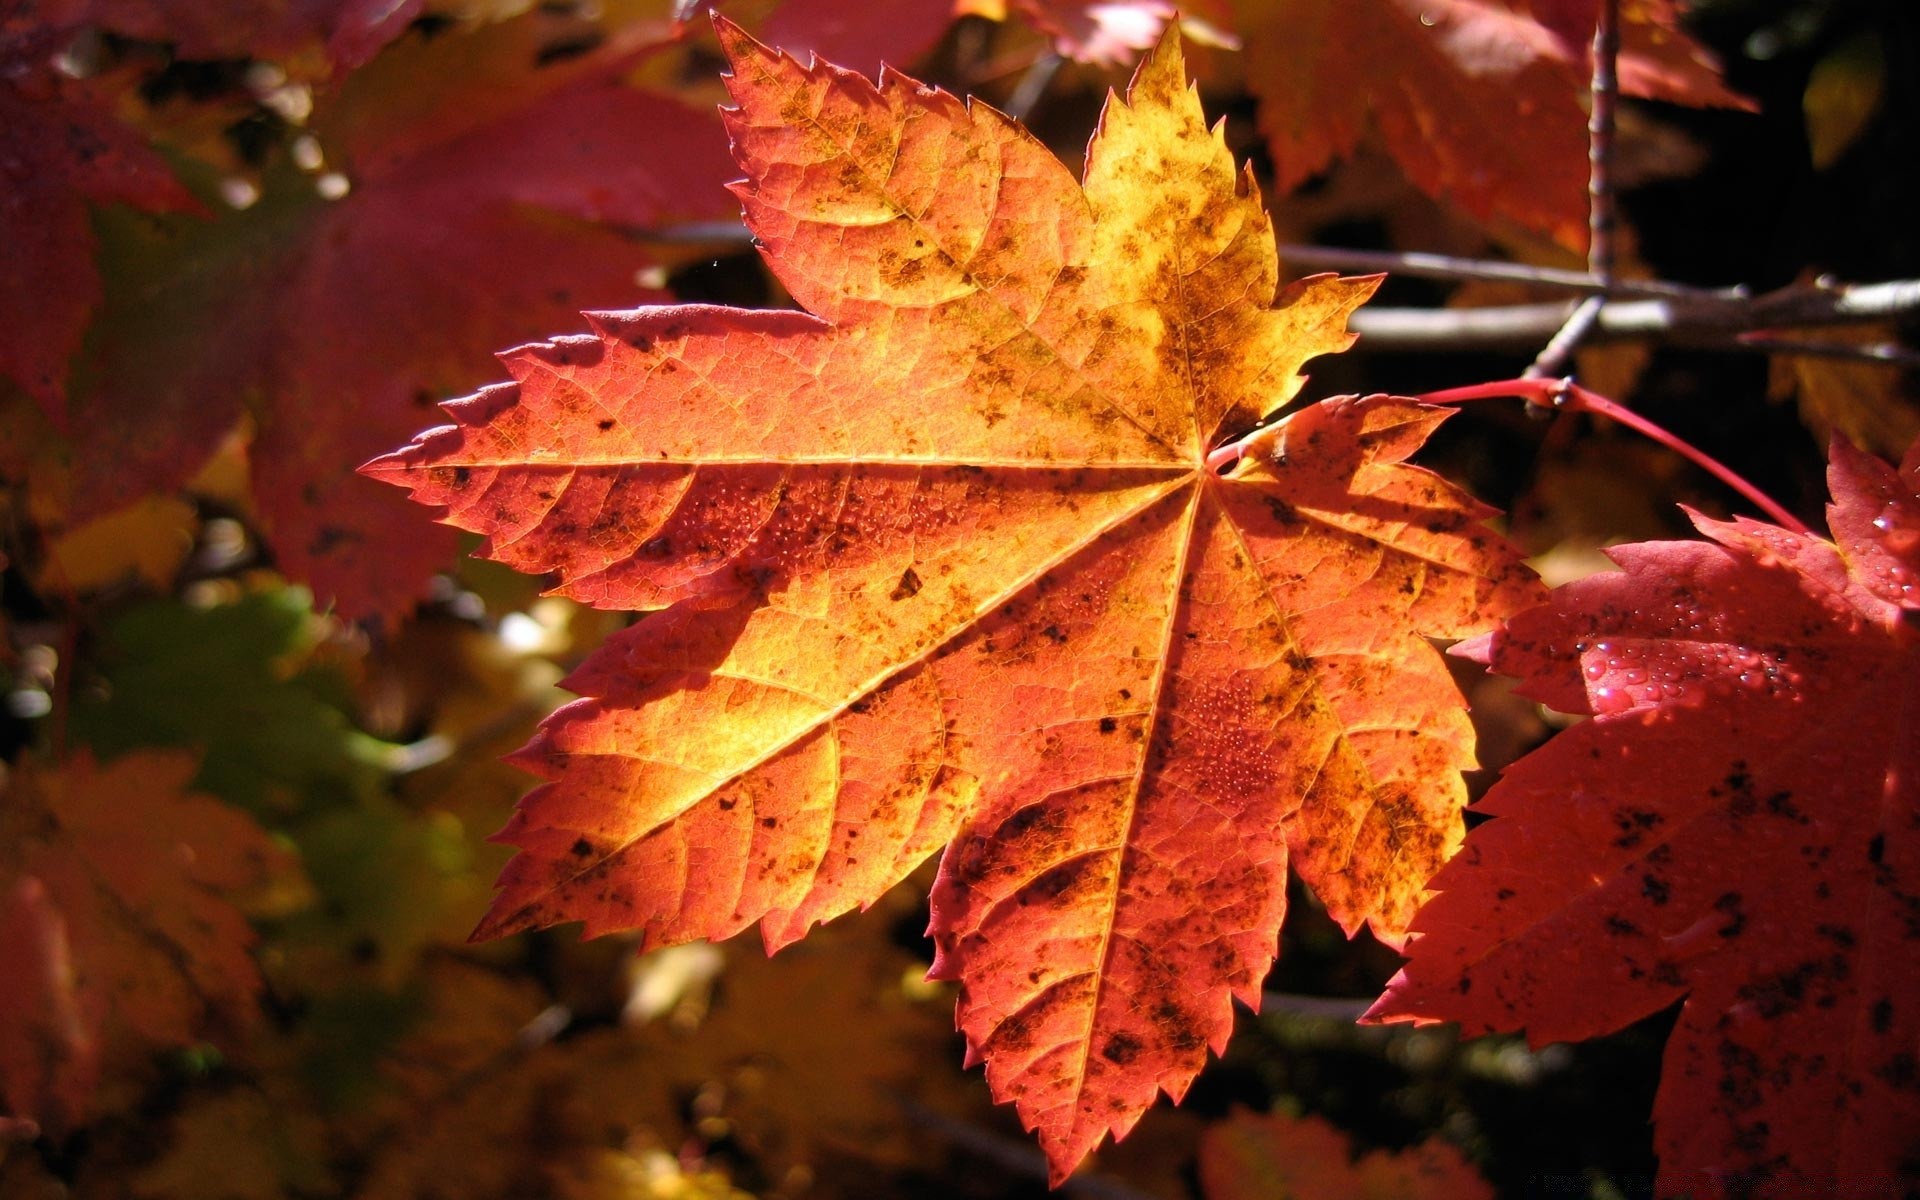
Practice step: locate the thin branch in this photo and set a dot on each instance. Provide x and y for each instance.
(1719, 318)
(1556, 357)
(1448, 267)
(1604, 95)
(1314, 1008)
(1553, 358)
(1311, 258)
(1717, 321)
(1891, 353)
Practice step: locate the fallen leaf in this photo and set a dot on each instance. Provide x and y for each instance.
(1737, 827)
(945, 560)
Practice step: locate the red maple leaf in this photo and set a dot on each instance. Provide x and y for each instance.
(118, 925)
(1738, 826)
(946, 561)
(490, 183)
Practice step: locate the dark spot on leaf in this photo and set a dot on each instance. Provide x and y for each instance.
(1121, 1049)
(1655, 889)
(582, 848)
(1108, 724)
(1901, 1071)
(908, 587)
(331, 537)
(1729, 905)
(604, 424)
(567, 48)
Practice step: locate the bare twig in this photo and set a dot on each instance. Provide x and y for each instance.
(1310, 258)
(1890, 353)
(1558, 352)
(1555, 357)
(1448, 267)
(1315, 1008)
(1604, 97)
(1717, 321)
(1719, 318)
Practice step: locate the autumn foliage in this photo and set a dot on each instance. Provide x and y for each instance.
(993, 550)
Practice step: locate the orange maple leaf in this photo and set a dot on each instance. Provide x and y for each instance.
(944, 561)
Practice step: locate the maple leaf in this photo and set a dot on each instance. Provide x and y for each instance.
(488, 181)
(1264, 1157)
(60, 153)
(1451, 85)
(117, 922)
(1739, 825)
(944, 560)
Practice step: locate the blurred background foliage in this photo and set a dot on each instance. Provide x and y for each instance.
(152, 614)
